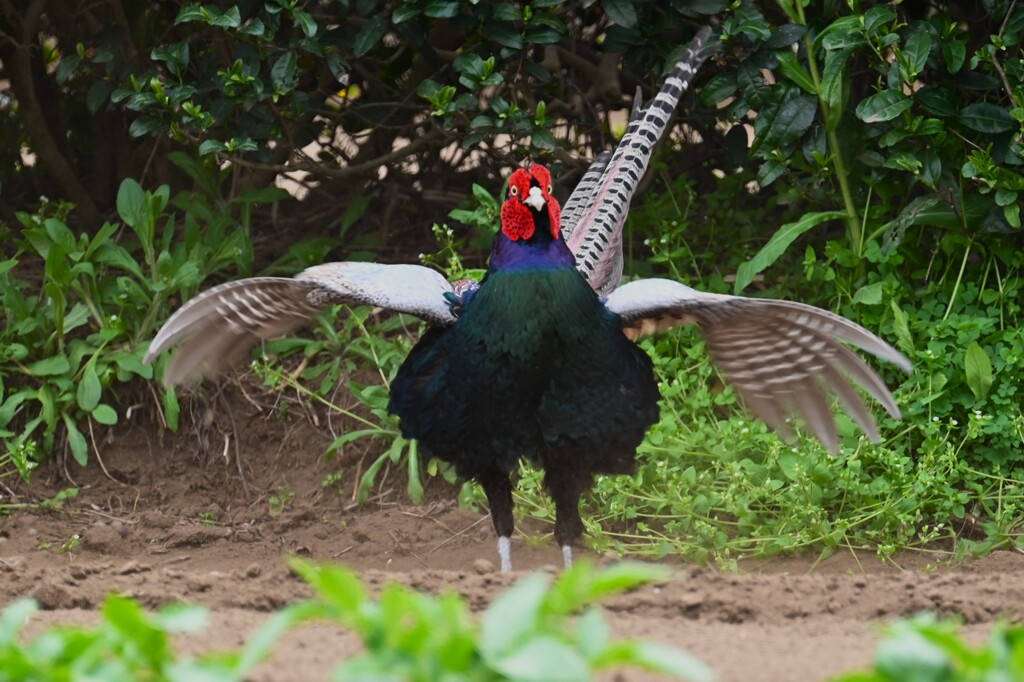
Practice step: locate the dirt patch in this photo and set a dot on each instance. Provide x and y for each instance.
(190, 522)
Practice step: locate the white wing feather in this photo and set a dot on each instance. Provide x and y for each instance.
(217, 327)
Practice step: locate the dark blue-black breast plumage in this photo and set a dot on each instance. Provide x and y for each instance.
(536, 367)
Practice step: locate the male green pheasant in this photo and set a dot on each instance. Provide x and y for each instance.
(533, 363)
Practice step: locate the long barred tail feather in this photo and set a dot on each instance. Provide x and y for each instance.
(595, 213)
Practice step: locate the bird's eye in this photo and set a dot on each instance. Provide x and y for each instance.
(513, 190)
(549, 189)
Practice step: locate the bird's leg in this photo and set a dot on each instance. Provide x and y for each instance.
(566, 484)
(498, 489)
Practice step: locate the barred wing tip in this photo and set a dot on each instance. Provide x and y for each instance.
(652, 305)
(782, 357)
(218, 326)
(243, 305)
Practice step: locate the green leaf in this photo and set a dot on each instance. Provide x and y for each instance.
(441, 9)
(144, 125)
(131, 203)
(785, 35)
(210, 147)
(512, 616)
(542, 35)
(582, 585)
(283, 73)
(543, 139)
(76, 441)
(656, 657)
(911, 657)
(254, 27)
(955, 53)
(937, 100)
(182, 618)
(503, 34)
(770, 171)
(793, 70)
(592, 633)
(914, 212)
(370, 34)
(414, 487)
(835, 84)
(843, 33)
(89, 389)
(621, 12)
(13, 618)
(718, 89)
(51, 366)
(105, 414)
(1005, 197)
(979, 370)
(190, 13)
(404, 12)
(261, 643)
(505, 12)
(98, 94)
(535, 661)
(262, 195)
(337, 586)
(231, 18)
(131, 361)
(883, 106)
(1012, 214)
(307, 22)
(916, 50)
(869, 294)
(172, 410)
(68, 64)
(793, 119)
(778, 244)
(876, 18)
(901, 327)
(986, 117)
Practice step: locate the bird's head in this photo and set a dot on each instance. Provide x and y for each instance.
(530, 210)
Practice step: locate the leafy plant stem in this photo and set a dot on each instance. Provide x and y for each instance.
(290, 381)
(841, 174)
(959, 281)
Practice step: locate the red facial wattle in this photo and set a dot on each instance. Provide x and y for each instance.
(516, 217)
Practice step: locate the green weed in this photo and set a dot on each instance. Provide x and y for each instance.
(925, 649)
(79, 333)
(280, 501)
(408, 635)
(413, 636)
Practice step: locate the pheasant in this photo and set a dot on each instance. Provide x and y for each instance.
(537, 361)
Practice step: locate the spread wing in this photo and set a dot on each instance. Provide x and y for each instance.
(782, 357)
(220, 325)
(594, 214)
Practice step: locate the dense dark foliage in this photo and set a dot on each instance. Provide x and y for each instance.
(865, 159)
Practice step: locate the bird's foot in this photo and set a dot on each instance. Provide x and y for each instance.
(567, 555)
(505, 553)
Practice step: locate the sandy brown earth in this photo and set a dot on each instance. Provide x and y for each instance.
(181, 525)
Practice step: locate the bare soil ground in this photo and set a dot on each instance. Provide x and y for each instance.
(182, 525)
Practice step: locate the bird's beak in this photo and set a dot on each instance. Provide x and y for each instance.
(535, 199)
